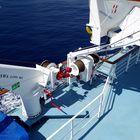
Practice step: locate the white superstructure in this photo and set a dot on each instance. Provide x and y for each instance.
(107, 16)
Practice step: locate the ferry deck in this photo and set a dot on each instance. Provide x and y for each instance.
(107, 109)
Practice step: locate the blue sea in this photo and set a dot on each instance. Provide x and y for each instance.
(35, 30)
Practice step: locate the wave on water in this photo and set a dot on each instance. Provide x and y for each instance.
(34, 30)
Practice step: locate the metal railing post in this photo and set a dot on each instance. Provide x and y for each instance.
(138, 56)
(100, 106)
(127, 66)
(108, 81)
(71, 134)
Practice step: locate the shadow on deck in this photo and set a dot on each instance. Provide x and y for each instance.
(128, 81)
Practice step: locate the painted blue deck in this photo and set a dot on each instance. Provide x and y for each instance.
(71, 101)
(122, 122)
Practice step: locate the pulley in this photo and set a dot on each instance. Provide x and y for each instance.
(48, 64)
(77, 67)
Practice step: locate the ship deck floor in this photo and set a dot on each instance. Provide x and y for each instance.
(70, 99)
(120, 123)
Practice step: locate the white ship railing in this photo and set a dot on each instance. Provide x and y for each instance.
(97, 110)
(72, 127)
(129, 61)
